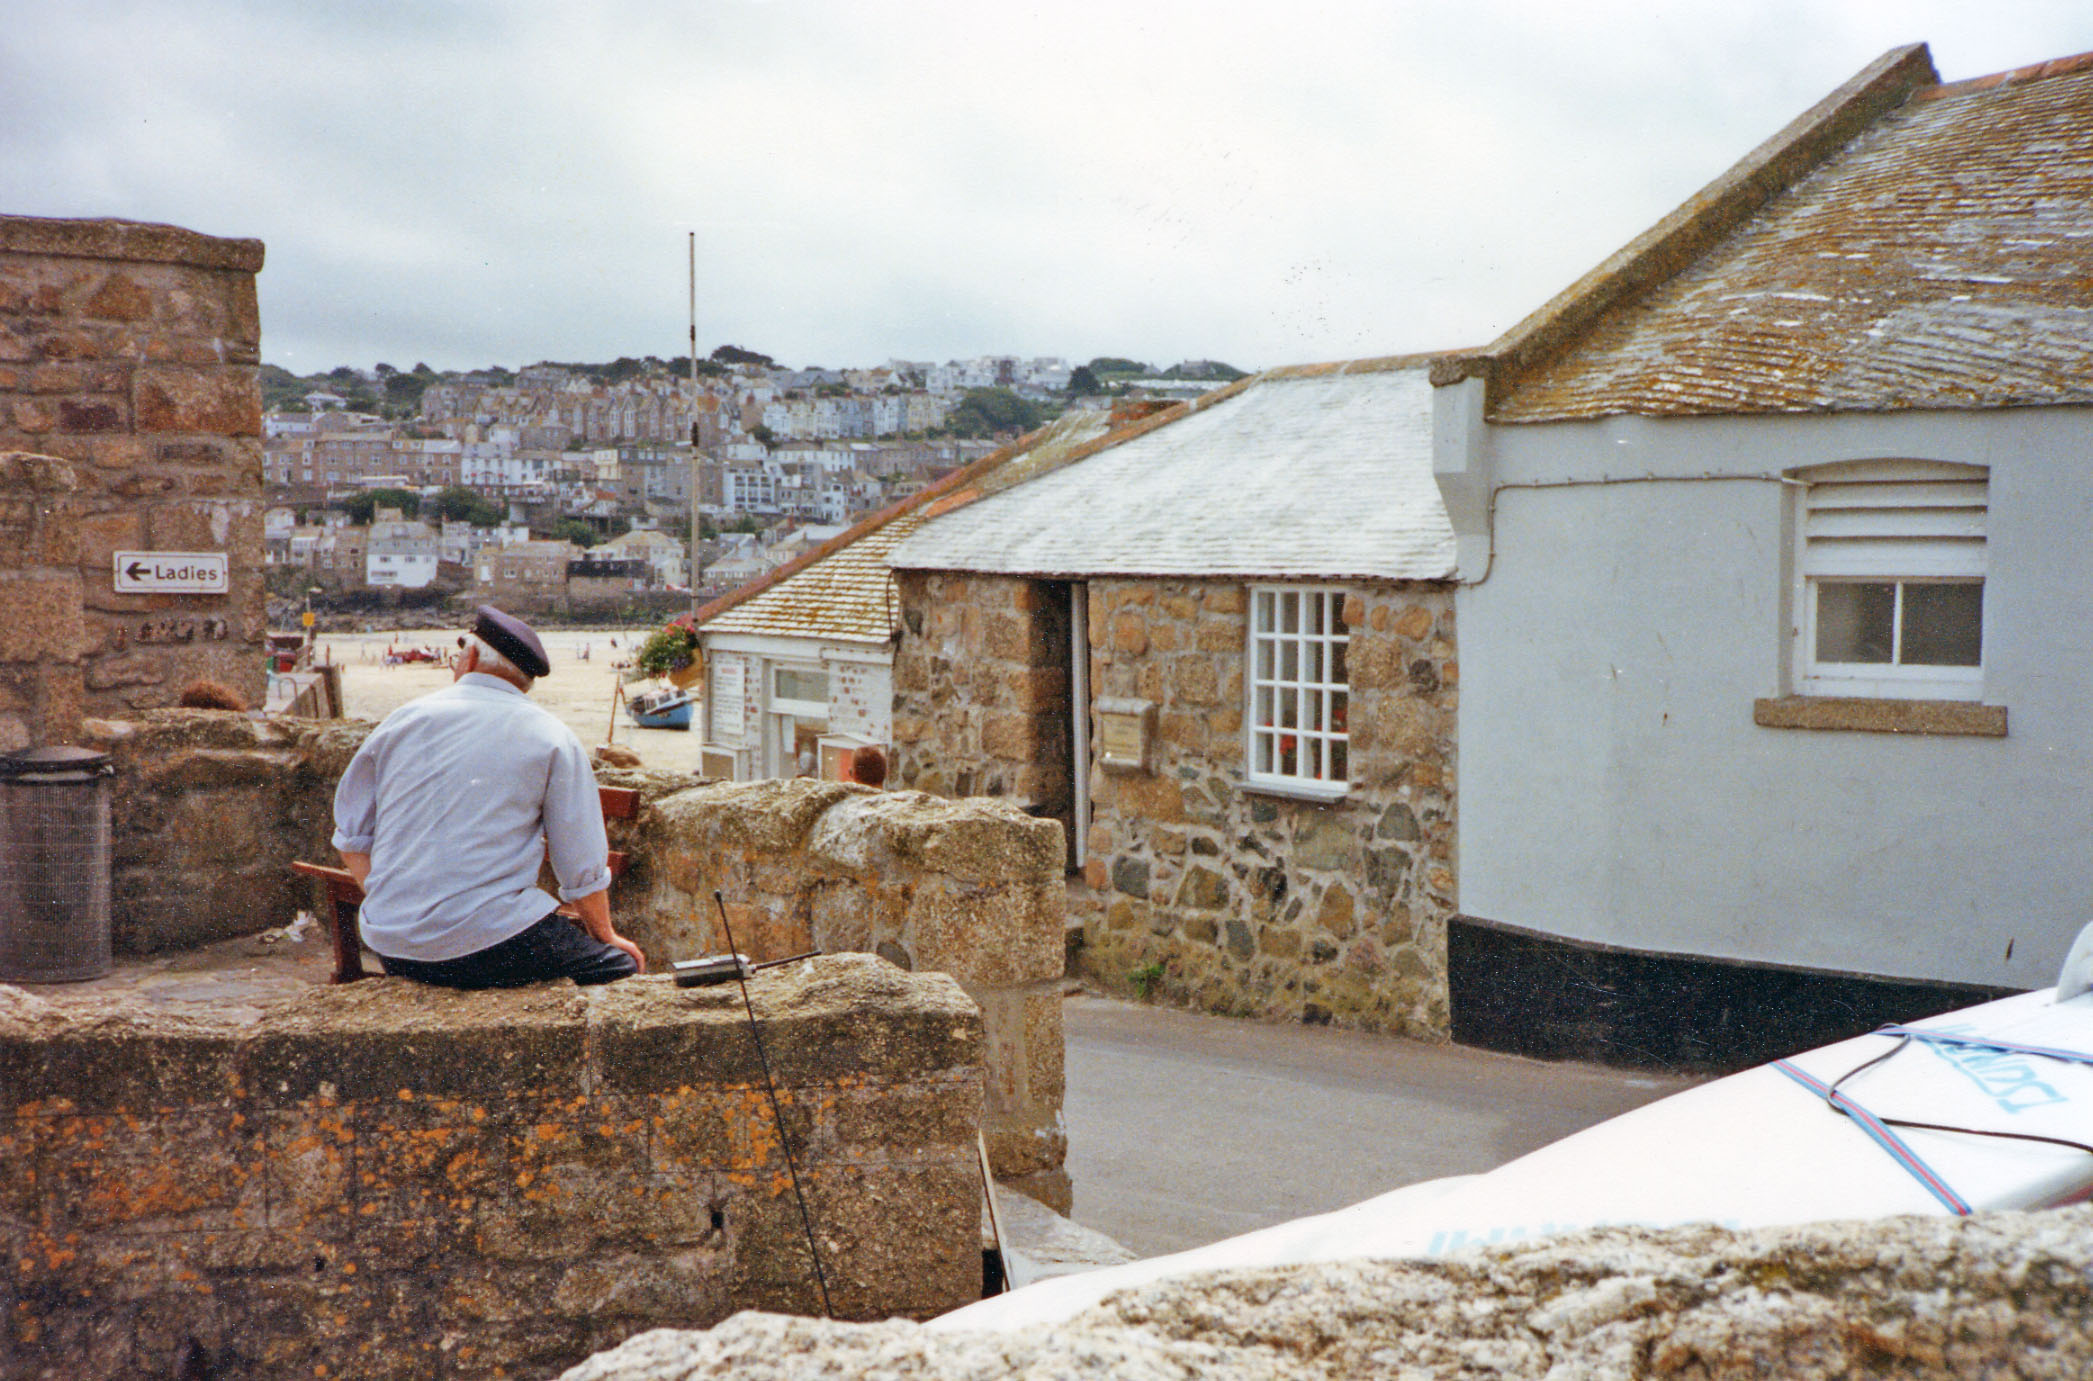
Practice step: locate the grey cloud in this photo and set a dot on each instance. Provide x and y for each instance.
(465, 183)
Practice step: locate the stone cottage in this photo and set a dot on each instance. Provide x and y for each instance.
(1220, 648)
(1802, 744)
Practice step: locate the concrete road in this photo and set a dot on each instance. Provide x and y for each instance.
(1184, 1128)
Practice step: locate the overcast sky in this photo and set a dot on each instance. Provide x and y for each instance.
(509, 181)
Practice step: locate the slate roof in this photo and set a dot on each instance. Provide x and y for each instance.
(843, 589)
(1321, 472)
(1904, 245)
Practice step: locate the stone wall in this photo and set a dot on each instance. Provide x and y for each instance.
(42, 637)
(209, 809)
(131, 352)
(968, 888)
(389, 1180)
(1922, 1299)
(981, 703)
(1264, 904)
(1195, 886)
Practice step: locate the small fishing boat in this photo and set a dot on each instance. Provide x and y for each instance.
(666, 708)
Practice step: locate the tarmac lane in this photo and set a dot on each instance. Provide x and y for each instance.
(1185, 1128)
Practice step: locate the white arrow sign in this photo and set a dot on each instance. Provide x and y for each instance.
(170, 573)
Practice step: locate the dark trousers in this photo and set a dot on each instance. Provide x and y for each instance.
(553, 948)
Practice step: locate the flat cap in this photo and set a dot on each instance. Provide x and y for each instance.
(512, 638)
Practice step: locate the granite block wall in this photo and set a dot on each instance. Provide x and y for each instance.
(387, 1180)
(130, 352)
(207, 810)
(981, 689)
(969, 888)
(43, 635)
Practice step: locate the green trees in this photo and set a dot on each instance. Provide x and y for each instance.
(578, 532)
(991, 411)
(459, 504)
(734, 354)
(403, 392)
(360, 507)
(1205, 369)
(281, 388)
(1083, 383)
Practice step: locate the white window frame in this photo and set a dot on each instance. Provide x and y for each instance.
(782, 704)
(1319, 693)
(782, 716)
(1901, 522)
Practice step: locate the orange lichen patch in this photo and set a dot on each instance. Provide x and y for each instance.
(46, 1107)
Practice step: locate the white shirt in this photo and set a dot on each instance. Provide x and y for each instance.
(456, 797)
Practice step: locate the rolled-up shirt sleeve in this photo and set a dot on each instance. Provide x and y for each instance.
(356, 803)
(574, 837)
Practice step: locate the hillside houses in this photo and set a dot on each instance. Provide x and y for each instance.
(799, 658)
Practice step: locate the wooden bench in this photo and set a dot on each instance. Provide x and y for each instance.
(345, 893)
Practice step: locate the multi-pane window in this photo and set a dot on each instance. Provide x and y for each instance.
(1892, 579)
(1299, 695)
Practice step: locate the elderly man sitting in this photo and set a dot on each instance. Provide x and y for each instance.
(446, 813)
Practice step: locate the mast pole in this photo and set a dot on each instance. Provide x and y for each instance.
(697, 543)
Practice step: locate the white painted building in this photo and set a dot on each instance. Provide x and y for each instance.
(1774, 566)
(401, 554)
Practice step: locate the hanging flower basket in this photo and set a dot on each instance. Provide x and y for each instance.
(667, 651)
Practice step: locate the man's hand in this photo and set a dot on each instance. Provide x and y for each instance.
(359, 866)
(594, 911)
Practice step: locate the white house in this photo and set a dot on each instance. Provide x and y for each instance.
(402, 554)
(1774, 576)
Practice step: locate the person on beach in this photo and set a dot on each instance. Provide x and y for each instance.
(446, 812)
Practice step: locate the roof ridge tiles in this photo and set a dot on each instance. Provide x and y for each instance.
(2016, 76)
(1373, 364)
(1698, 223)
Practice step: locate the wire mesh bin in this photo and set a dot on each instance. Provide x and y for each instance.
(54, 865)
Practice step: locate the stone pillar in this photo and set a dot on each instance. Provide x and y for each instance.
(40, 635)
(132, 352)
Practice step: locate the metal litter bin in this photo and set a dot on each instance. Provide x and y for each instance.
(54, 865)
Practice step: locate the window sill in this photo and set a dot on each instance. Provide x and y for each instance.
(1322, 794)
(1880, 716)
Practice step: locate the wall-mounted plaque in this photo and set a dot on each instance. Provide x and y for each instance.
(1124, 729)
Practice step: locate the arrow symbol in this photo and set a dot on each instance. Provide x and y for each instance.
(137, 570)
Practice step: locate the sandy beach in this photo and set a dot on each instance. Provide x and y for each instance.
(578, 691)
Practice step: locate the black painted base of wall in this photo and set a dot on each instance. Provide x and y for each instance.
(1524, 992)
